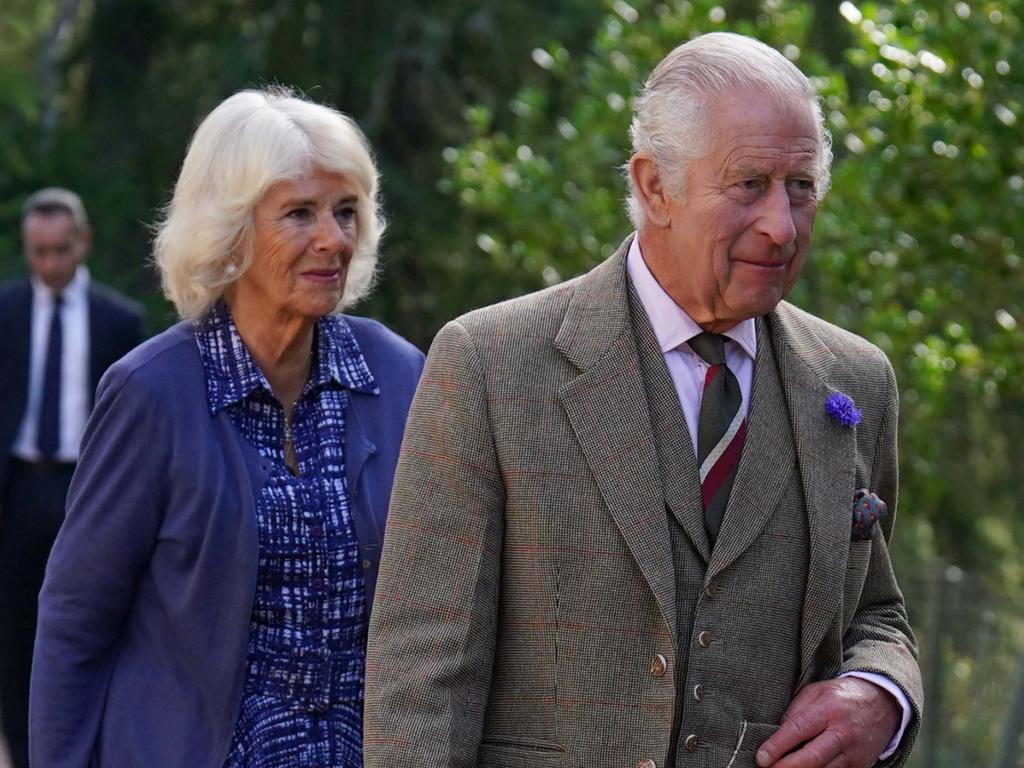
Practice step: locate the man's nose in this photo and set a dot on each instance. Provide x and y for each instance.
(776, 220)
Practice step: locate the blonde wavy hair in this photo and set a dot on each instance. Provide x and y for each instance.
(249, 142)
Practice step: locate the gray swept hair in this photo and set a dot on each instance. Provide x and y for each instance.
(51, 200)
(672, 113)
(249, 142)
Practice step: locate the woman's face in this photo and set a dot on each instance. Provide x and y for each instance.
(304, 237)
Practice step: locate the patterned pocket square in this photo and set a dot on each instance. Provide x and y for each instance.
(868, 509)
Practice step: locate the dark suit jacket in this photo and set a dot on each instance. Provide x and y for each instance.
(144, 614)
(528, 584)
(115, 327)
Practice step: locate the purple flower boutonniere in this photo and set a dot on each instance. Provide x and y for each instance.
(841, 408)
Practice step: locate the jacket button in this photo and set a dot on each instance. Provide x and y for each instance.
(691, 743)
(646, 764)
(704, 639)
(658, 666)
(712, 590)
(366, 564)
(698, 692)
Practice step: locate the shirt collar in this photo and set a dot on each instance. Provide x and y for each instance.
(74, 292)
(673, 327)
(232, 374)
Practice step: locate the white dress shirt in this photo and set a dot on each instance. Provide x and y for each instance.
(673, 328)
(74, 379)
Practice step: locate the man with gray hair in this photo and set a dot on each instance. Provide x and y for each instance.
(641, 518)
(61, 331)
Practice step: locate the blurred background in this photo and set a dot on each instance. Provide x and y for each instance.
(500, 127)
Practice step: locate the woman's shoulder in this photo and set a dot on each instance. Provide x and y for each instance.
(376, 340)
(168, 360)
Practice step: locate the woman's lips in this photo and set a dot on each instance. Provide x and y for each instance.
(322, 276)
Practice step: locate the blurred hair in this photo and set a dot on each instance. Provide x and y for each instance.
(672, 113)
(249, 142)
(52, 200)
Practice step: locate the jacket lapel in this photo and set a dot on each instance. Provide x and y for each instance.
(766, 464)
(611, 421)
(826, 458)
(679, 471)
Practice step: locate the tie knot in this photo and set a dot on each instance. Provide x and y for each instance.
(710, 347)
(58, 300)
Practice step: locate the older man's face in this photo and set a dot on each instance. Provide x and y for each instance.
(738, 240)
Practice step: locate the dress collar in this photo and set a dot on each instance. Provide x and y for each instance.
(232, 374)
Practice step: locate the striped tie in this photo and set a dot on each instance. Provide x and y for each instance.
(720, 430)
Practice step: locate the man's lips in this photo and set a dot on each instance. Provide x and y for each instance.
(762, 263)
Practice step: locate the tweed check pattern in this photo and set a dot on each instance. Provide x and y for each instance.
(528, 577)
(305, 662)
(720, 431)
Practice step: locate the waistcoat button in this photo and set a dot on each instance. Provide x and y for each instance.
(698, 692)
(704, 639)
(645, 764)
(691, 743)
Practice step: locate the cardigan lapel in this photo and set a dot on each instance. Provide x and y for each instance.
(608, 412)
(825, 456)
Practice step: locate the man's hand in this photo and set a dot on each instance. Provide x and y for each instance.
(841, 723)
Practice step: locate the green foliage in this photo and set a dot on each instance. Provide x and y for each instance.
(915, 246)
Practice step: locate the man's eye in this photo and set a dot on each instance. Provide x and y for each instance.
(801, 188)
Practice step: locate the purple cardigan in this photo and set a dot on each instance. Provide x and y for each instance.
(144, 614)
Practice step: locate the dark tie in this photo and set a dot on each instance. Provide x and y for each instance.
(720, 430)
(48, 439)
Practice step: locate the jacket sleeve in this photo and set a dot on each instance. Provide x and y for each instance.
(113, 517)
(879, 638)
(432, 632)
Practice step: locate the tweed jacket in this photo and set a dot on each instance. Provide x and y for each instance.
(144, 615)
(526, 604)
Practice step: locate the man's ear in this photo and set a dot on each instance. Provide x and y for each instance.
(650, 190)
(84, 243)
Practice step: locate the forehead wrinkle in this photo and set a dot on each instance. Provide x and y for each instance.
(763, 159)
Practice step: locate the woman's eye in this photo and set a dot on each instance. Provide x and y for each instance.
(345, 214)
(298, 213)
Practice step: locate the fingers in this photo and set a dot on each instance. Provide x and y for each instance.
(802, 724)
(824, 750)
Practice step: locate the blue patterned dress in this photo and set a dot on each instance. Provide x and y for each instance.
(303, 698)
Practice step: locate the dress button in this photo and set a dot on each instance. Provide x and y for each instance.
(704, 639)
(316, 531)
(691, 743)
(646, 764)
(712, 590)
(698, 692)
(658, 665)
(318, 583)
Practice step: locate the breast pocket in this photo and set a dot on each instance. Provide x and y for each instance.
(498, 752)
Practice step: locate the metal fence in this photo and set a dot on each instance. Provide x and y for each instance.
(972, 659)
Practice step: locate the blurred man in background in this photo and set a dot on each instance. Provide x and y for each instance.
(60, 332)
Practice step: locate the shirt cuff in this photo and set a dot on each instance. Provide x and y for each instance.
(885, 683)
